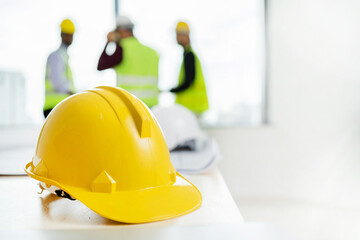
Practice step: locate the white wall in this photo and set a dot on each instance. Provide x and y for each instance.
(311, 149)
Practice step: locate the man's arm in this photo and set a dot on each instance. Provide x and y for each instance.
(57, 77)
(189, 64)
(106, 61)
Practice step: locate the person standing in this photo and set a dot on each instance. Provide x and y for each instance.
(191, 91)
(135, 64)
(59, 82)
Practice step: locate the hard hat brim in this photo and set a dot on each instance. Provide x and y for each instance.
(138, 206)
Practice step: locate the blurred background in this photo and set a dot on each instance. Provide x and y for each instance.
(283, 86)
(229, 41)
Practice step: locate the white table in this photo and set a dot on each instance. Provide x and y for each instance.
(24, 214)
(27, 214)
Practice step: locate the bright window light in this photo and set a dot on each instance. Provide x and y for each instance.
(228, 37)
(30, 32)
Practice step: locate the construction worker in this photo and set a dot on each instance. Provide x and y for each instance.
(135, 64)
(191, 91)
(58, 80)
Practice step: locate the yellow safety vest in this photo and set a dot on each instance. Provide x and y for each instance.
(195, 97)
(138, 71)
(52, 98)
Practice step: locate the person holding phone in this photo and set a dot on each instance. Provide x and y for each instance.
(135, 64)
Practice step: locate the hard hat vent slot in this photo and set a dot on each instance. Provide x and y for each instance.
(136, 108)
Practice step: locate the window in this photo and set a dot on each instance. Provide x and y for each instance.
(229, 38)
(30, 32)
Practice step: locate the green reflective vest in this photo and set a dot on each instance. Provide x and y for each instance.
(138, 71)
(52, 98)
(195, 97)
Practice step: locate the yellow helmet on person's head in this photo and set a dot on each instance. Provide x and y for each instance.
(104, 148)
(182, 27)
(67, 26)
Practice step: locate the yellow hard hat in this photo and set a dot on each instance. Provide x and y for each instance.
(104, 148)
(182, 27)
(67, 26)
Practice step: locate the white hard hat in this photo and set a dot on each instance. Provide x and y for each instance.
(196, 161)
(179, 126)
(124, 22)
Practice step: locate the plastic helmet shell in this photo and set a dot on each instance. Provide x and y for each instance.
(105, 148)
(179, 125)
(124, 22)
(67, 26)
(182, 27)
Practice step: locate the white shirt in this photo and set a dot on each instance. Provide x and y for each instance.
(56, 67)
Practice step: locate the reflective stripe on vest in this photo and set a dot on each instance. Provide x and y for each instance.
(137, 81)
(141, 87)
(195, 97)
(148, 96)
(138, 71)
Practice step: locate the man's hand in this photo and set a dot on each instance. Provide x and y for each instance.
(113, 37)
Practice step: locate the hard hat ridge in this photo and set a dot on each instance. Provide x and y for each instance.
(136, 108)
